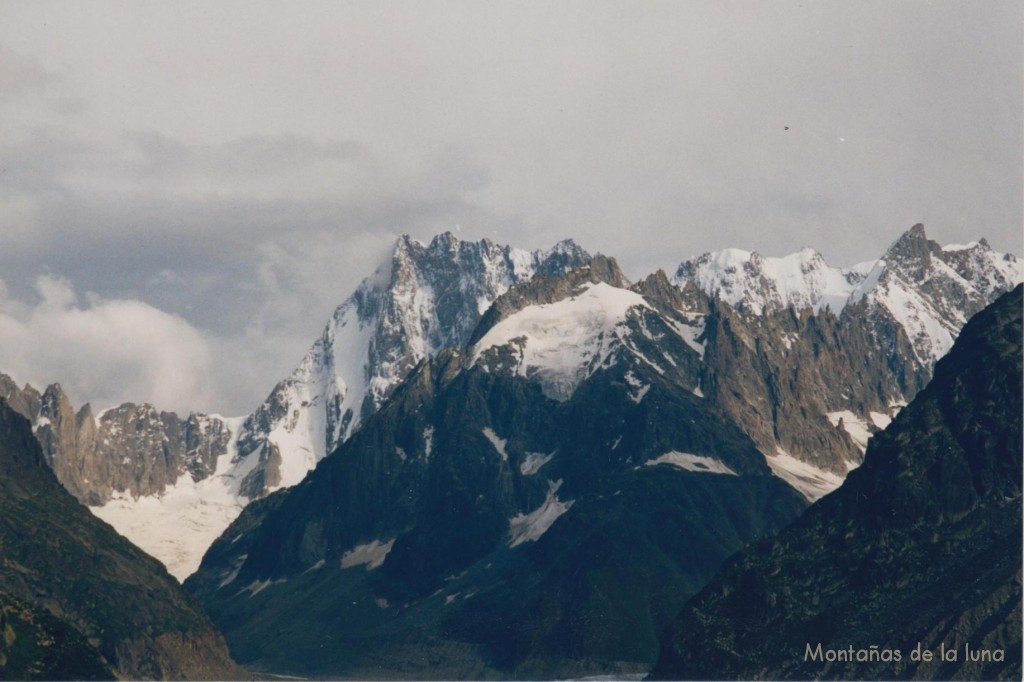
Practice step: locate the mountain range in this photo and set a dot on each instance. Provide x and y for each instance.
(539, 501)
(528, 474)
(498, 463)
(771, 336)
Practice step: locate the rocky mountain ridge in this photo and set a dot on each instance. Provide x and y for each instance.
(808, 360)
(172, 485)
(926, 289)
(130, 449)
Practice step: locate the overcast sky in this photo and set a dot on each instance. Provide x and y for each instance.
(187, 190)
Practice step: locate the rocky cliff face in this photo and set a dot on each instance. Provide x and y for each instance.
(26, 400)
(811, 360)
(921, 544)
(76, 599)
(130, 450)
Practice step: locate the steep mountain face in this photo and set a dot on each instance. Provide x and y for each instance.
(427, 298)
(780, 377)
(931, 291)
(76, 599)
(921, 544)
(128, 450)
(533, 505)
(811, 360)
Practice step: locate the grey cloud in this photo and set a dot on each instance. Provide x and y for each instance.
(258, 276)
(253, 154)
(23, 74)
(105, 351)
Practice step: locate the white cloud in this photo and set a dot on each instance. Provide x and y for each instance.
(104, 351)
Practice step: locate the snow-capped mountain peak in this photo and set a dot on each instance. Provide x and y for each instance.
(561, 343)
(756, 284)
(927, 289)
(426, 297)
(930, 291)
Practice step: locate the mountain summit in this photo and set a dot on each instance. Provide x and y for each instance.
(427, 297)
(801, 350)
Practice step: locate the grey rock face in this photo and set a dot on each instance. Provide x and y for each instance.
(26, 400)
(792, 343)
(131, 449)
(780, 375)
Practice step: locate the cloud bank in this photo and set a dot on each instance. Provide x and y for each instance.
(106, 351)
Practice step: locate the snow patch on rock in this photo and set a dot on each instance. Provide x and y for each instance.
(880, 420)
(856, 427)
(371, 554)
(498, 443)
(428, 441)
(808, 480)
(640, 388)
(533, 461)
(690, 462)
(530, 527)
(560, 343)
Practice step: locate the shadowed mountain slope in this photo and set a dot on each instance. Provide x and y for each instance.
(77, 600)
(922, 543)
(536, 505)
